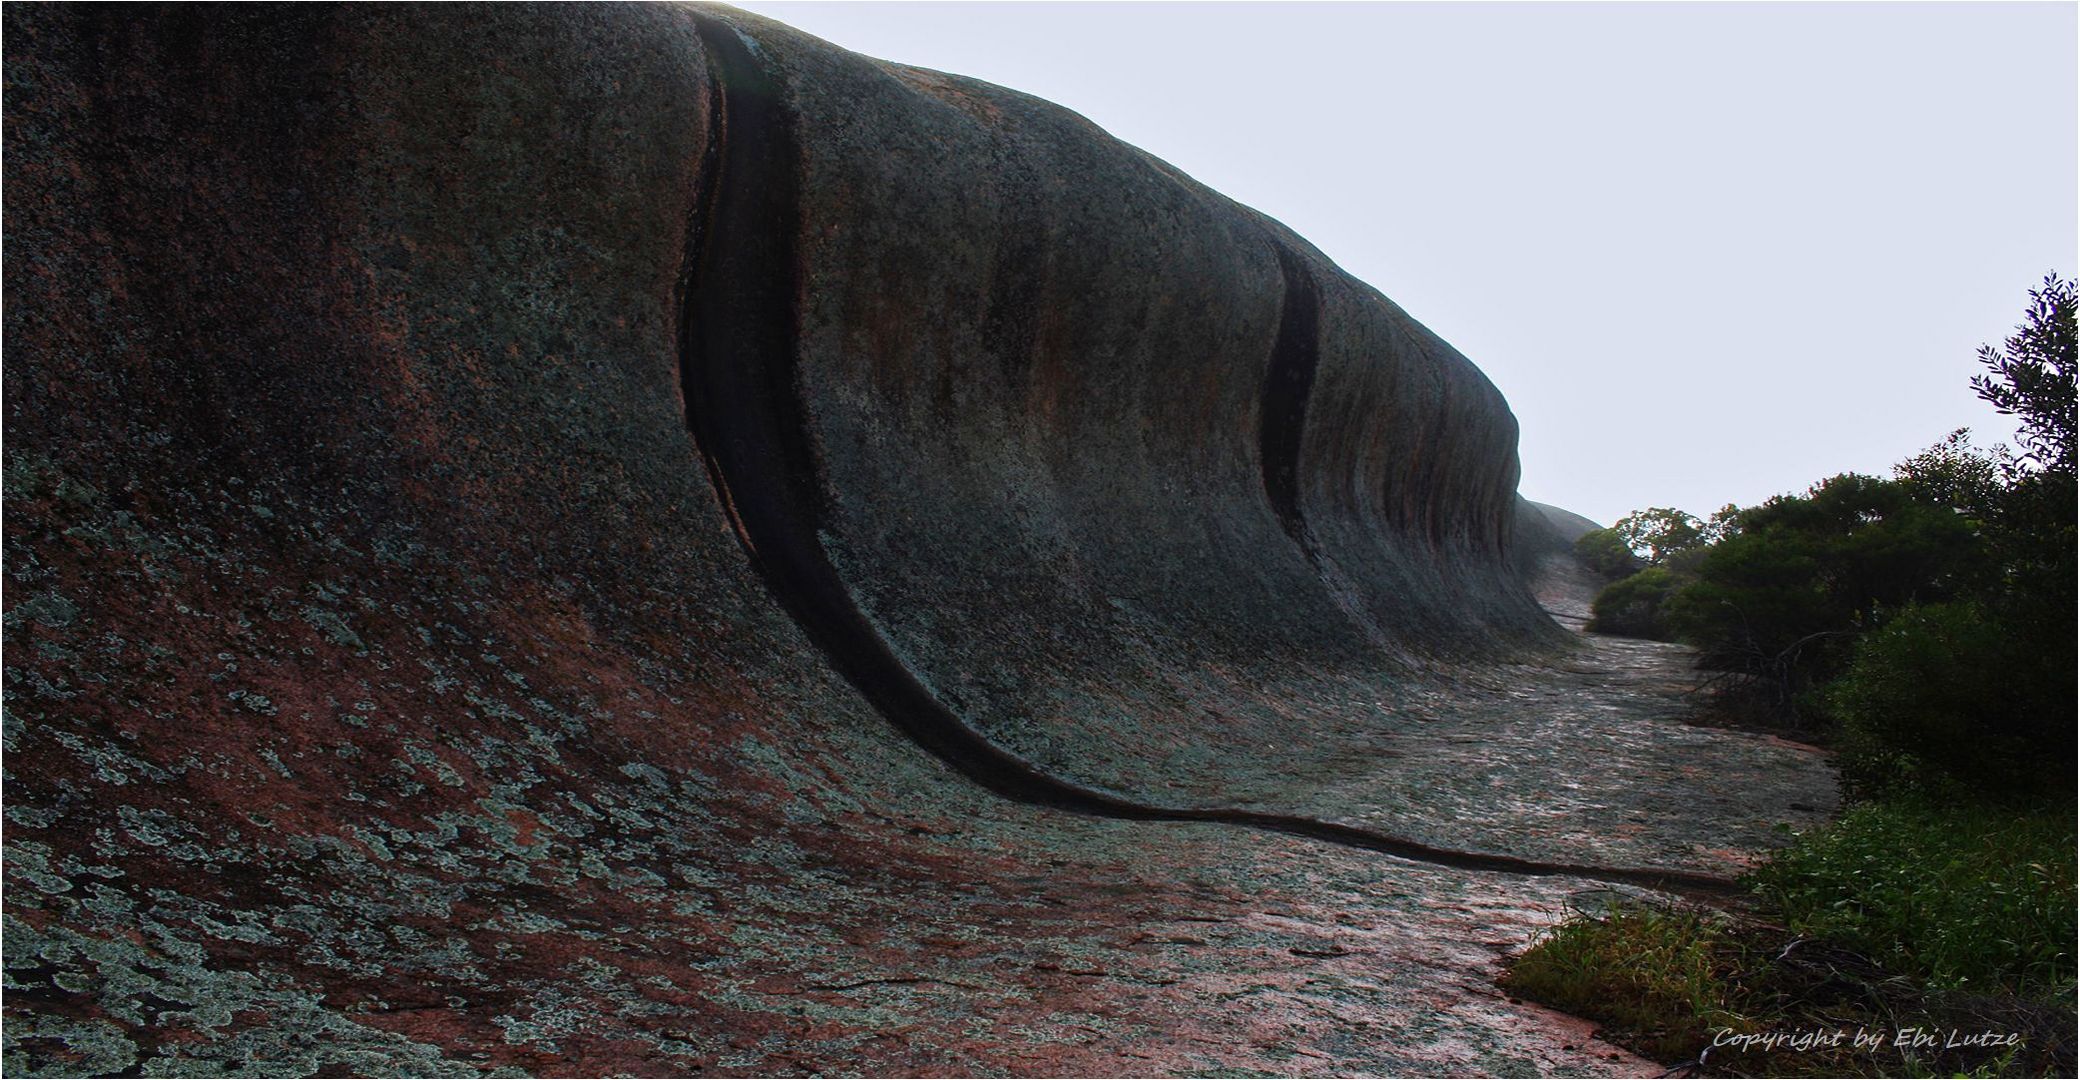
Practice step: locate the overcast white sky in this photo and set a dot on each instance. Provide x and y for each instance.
(1709, 252)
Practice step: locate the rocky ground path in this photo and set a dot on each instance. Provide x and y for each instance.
(1587, 759)
(992, 939)
(1298, 958)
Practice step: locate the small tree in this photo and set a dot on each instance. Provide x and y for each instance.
(2033, 526)
(1660, 532)
(1605, 552)
(1955, 474)
(1725, 522)
(2031, 378)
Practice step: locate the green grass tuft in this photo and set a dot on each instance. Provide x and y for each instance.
(1665, 980)
(1964, 898)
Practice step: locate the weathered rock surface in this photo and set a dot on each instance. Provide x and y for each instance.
(1546, 561)
(503, 505)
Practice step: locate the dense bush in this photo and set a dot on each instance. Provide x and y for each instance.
(1634, 606)
(1782, 600)
(1604, 552)
(1977, 697)
(1947, 699)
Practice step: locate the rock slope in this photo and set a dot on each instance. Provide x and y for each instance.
(540, 538)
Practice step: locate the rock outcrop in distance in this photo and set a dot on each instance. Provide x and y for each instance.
(587, 538)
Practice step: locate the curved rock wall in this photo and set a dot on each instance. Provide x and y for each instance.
(1073, 424)
(480, 480)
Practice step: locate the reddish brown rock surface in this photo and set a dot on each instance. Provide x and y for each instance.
(443, 445)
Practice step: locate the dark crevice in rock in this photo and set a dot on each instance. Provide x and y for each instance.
(737, 365)
(1282, 418)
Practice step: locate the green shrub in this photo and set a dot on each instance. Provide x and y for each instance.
(1604, 552)
(1965, 898)
(1636, 607)
(1782, 600)
(1948, 699)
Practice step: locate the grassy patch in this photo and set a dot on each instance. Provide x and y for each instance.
(1888, 943)
(1665, 980)
(1961, 898)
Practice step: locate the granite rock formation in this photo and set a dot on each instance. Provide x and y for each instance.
(573, 539)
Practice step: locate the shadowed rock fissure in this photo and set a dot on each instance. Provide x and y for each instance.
(743, 407)
(1287, 383)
